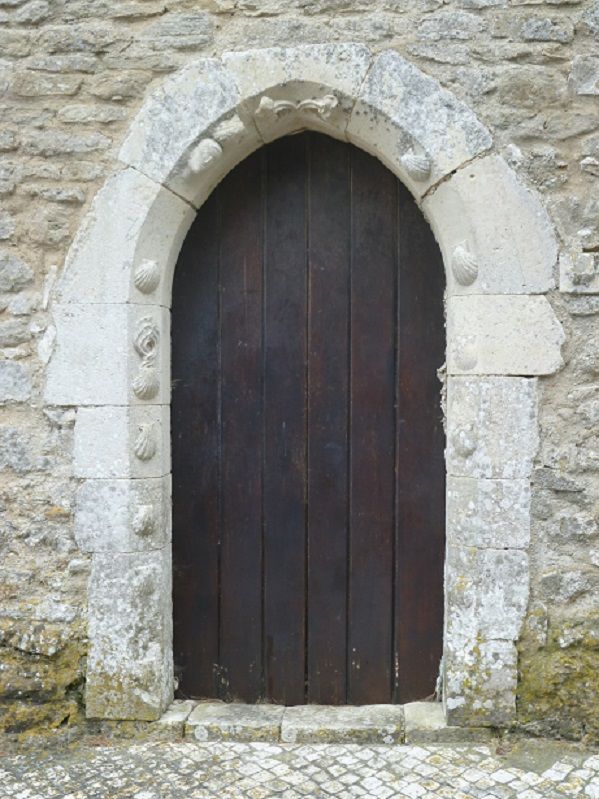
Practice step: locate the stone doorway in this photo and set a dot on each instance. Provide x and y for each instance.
(111, 354)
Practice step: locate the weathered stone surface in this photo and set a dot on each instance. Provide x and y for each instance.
(82, 114)
(56, 142)
(488, 513)
(491, 334)
(425, 723)
(217, 721)
(300, 75)
(15, 274)
(579, 273)
(15, 382)
(123, 515)
(133, 220)
(485, 210)
(181, 31)
(491, 426)
(14, 332)
(34, 84)
(584, 77)
(400, 109)
(7, 225)
(129, 673)
(480, 682)
(179, 113)
(122, 441)
(487, 591)
(322, 724)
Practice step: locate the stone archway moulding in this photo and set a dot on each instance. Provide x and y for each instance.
(111, 355)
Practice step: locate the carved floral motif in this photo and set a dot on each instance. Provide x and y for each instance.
(323, 106)
(146, 382)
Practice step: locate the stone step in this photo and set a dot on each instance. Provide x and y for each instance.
(417, 722)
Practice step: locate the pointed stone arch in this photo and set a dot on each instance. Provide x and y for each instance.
(111, 357)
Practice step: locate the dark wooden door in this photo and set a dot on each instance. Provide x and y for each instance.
(308, 471)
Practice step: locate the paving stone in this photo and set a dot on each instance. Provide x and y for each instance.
(196, 770)
(323, 724)
(217, 721)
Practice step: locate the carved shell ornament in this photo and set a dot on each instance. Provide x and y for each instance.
(146, 276)
(417, 166)
(144, 521)
(464, 265)
(146, 383)
(204, 154)
(323, 106)
(465, 441)
(145, 444)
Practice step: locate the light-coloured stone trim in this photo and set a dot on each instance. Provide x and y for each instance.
(111, 357)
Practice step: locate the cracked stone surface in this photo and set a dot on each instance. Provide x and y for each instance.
(151, 770)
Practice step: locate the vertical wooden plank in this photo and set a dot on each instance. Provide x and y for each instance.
(195, 456)
(420, 545)
(328, 264)
(241, 425)
(373, 284)
(285, 420)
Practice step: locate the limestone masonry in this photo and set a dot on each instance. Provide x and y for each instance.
(117, 119)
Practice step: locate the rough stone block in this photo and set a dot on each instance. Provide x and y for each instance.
(579, 273)
(488, 513)
(400, 112)
(15, 382)
(173, 123)
(123, 515)
(491, 426)
(121, 441)
(134, 225)
(312, 86)
(217, 721)
(486, 592)
(584, 77)
(480, 683)
(14, 273)
(129, 672)
(503, 335)
(381, 724)
(495, 235)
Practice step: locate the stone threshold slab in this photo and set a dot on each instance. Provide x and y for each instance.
(417, 722)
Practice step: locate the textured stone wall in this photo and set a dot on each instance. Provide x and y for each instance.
(72, 76)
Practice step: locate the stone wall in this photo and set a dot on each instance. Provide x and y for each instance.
(72, 76)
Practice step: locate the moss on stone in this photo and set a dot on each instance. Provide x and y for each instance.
(558, 690)
(39, 692)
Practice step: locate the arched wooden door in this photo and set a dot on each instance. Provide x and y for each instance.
(308, 469)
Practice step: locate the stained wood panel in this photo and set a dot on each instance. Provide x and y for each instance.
(308, 482)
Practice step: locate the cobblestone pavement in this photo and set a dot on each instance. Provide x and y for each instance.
(530, 770)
